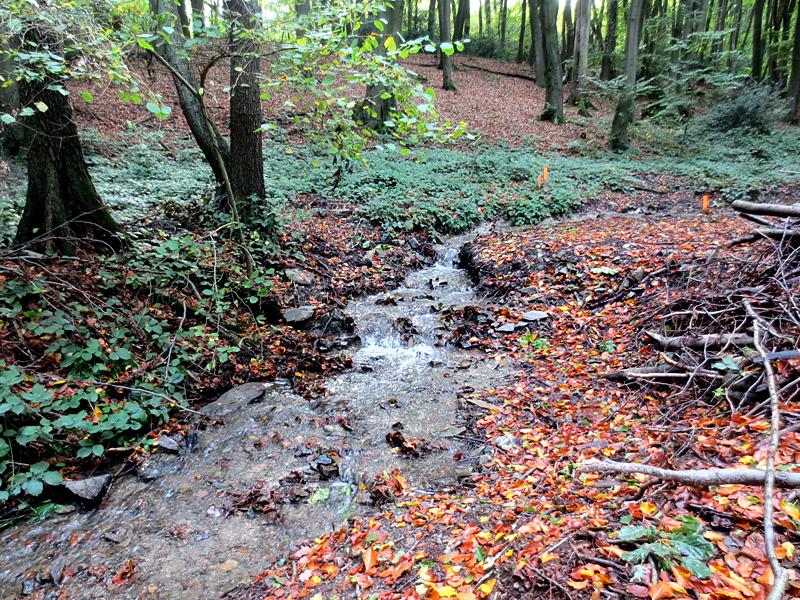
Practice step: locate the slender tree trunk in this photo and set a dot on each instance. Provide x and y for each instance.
(793, 92)
(376, 110)
(61, 204)
(198, 15)
(554, 92)
(480, 18)
(444, 36)
(432, 19)
(247, 163)
(597, 25)
(567, 32)
(733, 41)
(488, 16)
(521, 42)
(192, 111)
(503, 21)
(580, 57)
(719, 27)
(758, 46)
(184, 18)
(536, 56)
(618, 139)
(610, 44)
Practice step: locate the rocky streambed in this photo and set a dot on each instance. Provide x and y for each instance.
(263, 468)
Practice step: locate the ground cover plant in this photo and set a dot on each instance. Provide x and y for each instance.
(267, 166)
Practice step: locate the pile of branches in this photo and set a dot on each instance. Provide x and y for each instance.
(705, 331)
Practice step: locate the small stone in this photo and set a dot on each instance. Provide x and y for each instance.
(300, 277)
(115, 536)
(65, 510)
(535, 315)
(638, 275)
(214, 511)
(27, 587)
(365, 261)
(506, 442)
(168, 444)
(57, 568)
(228, 565)
(507, 328)
(324, 460)
(296, 316)
(413, 243)
(90, 488)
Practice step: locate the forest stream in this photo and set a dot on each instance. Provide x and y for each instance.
(264, 468)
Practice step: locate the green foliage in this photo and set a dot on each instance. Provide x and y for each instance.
(686, 544)
(749, 107)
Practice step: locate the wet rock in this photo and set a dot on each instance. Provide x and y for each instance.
(167, 444)
(28, 587)
(365, 261)
(57, 568)
(148, 472)
(435, 363)
(299, 315)
(91, 488)
(638, 275)
(506, 442)
(326, 467)
(115, 536)
(535, 315)
(228, 565)
(453, 432)
(249, 393)
(507, 328)
(413, 243)
(300, 277)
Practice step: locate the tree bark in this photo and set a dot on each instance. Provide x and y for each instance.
(432, 19)
(198, 14)
(521, 41)
(302, 9)
(793, 91)
(503, 21)
(610, 44)
(567, 32)
(758, 47)
(61, 204)
(375, 110)
(247, 163)
(554, 92)
(536, 55)
(580, 57)
(618, 139)
(190, 107)
(462, 17)
(444, 36)
(488, 16)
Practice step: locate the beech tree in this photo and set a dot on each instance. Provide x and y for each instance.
(446, 45)
(580, 57)
(554, 92)
(623, 116)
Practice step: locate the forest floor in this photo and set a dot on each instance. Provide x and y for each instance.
(638, 259)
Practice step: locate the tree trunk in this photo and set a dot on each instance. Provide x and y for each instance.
(618, 140)
(302, 10)
(61, 204)
(184, 18)
(432, 19)
(480, 18)
(554, 92)
(488, 16)
(190, 107)
(719, 27)
(376, 110)
(503, 21)
(580, 61)
(610, 45)
(758, 47)
(198, 15)
(247, 163)
(444, 36)
(536, 56)
(461, 20)
(793, 91)
(733, 41)
(567, 32)
(521, 42)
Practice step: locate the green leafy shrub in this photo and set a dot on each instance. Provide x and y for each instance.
(746, 108)
(685, 544)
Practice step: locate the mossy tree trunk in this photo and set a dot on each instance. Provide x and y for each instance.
(62, 204)
(623, 117)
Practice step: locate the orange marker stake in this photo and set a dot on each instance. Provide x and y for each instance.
(545, 176)
(705, 203)
(540, 181)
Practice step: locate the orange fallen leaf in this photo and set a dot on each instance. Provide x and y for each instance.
(370, 558)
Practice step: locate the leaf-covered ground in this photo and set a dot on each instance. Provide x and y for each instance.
(531, 525)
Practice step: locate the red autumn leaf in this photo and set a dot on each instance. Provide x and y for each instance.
(370, 558)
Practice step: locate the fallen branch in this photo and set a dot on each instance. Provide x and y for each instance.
(781, 575)
(770, 210)
(517, 75)
(700, 477)
(701, 342)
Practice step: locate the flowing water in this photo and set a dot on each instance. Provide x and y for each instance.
(173, 522)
